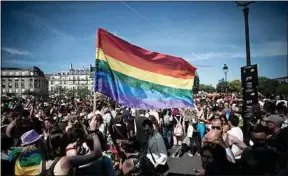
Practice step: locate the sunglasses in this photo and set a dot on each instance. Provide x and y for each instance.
(216, 127)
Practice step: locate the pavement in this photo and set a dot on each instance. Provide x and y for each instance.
(183, 165)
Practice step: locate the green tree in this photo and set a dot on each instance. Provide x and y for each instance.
(222, 86)
(207, 88)
(267, 86)
(235, 85)
(83, 92)
(195, 88)
(282, 89)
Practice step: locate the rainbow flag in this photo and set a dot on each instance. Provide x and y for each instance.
(28, 163)
(138, 78)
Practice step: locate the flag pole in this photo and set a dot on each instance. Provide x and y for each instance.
(95, 74)
(94, 104)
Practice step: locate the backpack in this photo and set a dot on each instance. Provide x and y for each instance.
(50, 171)
(178, 130)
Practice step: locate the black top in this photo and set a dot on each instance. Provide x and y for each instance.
(222, 168)
(141, 138)
(259, 160)
(119, 131)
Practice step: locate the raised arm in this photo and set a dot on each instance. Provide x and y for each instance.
(69, 162)
(237, 142)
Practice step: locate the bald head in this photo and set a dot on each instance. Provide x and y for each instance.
(212, 136)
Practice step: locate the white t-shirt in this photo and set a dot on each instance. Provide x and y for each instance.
(236, 132)
(279, 101)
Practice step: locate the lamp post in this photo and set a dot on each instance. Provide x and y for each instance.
(225, 70)
(246, 12)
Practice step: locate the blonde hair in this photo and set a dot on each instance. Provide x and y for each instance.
(29, 148)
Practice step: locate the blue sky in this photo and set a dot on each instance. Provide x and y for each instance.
(51, 35)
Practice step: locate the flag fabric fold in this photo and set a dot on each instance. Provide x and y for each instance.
(138, 78)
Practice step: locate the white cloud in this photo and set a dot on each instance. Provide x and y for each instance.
(268, 49)
(37, 21)
(23, 62)
(14, 51)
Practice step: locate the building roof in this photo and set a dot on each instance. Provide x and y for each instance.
(48, 75)
(21, 68)
(284, 77)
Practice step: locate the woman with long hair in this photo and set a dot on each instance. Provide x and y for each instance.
(63, 165)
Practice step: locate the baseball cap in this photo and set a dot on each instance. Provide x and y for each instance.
(277, 119)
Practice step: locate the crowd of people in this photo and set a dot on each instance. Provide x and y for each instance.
(63, 136)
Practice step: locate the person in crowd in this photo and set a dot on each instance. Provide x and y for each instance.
(277, 137)
(136, 163)
(195, 145)
(214, 161)
(221, 109)
(119, 130)
(227, 139)
(65, 165)
(167, 127)
(155, 123)
(156, 149)
(213, 136)
(102, 166)
(237, 133)
(7, 168)
(259, 159)
(201, 120)
(141, 138)
(178, 132)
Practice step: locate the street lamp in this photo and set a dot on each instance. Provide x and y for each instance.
(246, 12)
(225, 70)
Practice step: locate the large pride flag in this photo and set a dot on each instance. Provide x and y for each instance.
(138, 78)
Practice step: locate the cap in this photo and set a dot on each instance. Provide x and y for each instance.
(277, 119)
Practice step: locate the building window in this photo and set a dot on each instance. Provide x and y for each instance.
(3, 86)
(9, 79)
(17, 73)
(4, 73)
(35, 83)
(51, 82)
(3, 80)
(22, 84)
(16, 85)
(11, 73)
(31, 85)
(31, 73)
(22, 80)
(17, 90)
(10, 86)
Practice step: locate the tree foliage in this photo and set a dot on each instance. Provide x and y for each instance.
(222, 86)
(235, 86)
(268, 87)
(207, 88)
(80, 92)
(282, 89)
